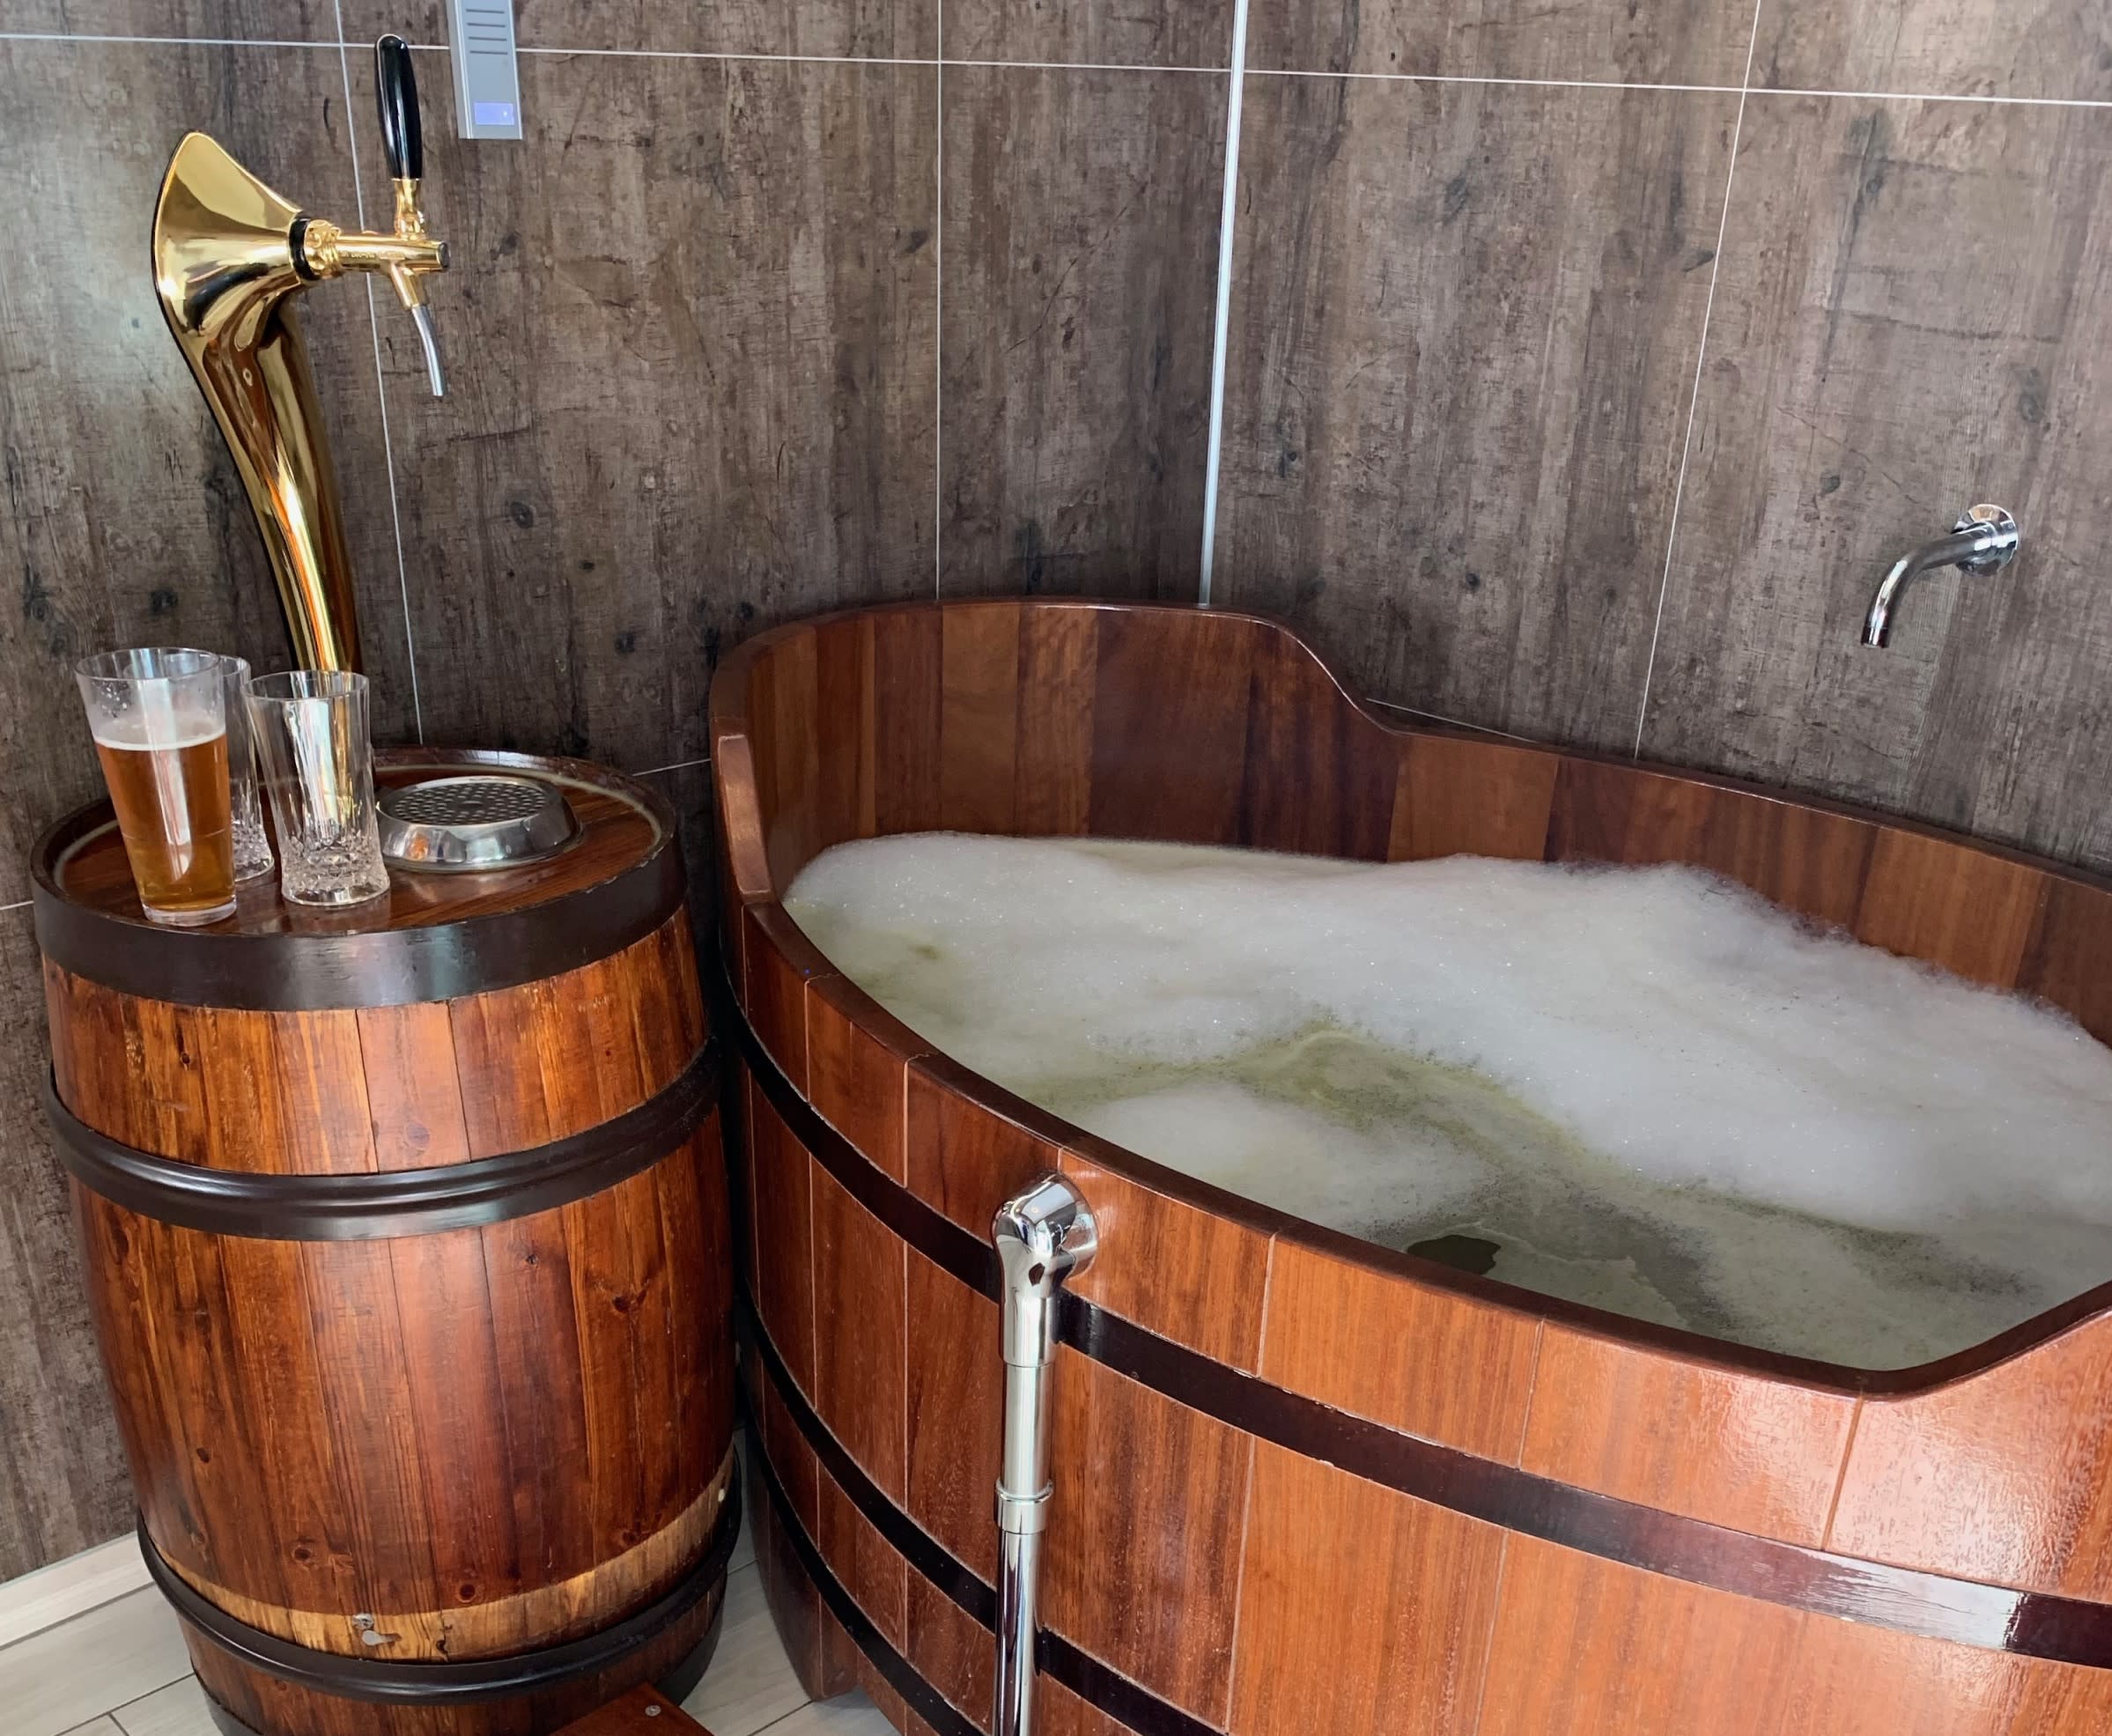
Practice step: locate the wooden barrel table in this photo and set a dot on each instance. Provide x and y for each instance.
(406, 1238)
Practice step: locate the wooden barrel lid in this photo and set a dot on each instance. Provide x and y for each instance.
(434, 937)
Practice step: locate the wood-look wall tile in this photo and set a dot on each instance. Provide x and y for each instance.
(690, 328)
(858, 1071)
(125, 521)
(859, 1331)
(955, 1411)
(1187, 1273)
(1463, 346)
(62, 1482)
(1095, 32)
(1745, 1450)
(1937, 48)
(965, 1159)
(1861, 389)
(1172, 1486)
(2006, 1476)
(1081, 227)
(1623, 42)
(781, 1207)
(1392, 1350)
(1359, 1609)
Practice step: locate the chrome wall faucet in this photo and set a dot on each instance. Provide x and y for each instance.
(1984, 540)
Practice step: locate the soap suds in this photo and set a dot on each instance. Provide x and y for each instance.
(1650, 1089)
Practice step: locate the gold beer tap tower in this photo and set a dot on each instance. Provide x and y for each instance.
(230, 257)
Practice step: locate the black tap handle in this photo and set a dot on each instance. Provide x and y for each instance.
(397, 95)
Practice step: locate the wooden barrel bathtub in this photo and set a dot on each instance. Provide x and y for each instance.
(406, 1239)
(1304, 1483)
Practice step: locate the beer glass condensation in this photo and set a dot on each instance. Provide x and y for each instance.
(158, 718)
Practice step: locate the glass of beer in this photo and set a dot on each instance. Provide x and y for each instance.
(245, 806)
(159, 717)
(318, 764)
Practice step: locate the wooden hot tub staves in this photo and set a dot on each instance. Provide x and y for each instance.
(406, 1239)
(1305, 1484)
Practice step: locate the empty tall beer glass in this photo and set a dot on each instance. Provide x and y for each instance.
(318, 763)
(158, 718)
(245, 807)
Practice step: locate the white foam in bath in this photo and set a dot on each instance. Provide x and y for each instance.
(1646, 1090)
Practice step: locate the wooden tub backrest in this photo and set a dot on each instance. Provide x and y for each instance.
(1138, 721)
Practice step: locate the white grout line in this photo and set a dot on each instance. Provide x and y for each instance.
(1455, 722)
(395, 515)
(1089, 65)
(163, 42)
(679, 765)
(1477, 79)
(1749, 90)
(373, 322)
(1693, 398)
(708, 53)
(938, 316)
(1937, 96)
(1221, 327)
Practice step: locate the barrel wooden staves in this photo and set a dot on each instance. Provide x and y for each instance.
(406, 1238)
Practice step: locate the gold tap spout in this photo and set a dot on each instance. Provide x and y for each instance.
(231, 259)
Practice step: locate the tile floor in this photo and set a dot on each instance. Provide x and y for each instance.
(121, 1671)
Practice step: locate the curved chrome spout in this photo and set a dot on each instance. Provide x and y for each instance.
(1985, 540)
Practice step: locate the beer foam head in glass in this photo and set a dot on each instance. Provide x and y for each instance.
(159, 717)
(318, 764)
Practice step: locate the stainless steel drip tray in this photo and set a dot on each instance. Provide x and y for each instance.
(474, 823)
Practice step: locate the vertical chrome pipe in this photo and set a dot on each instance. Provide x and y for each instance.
(1042, 1235)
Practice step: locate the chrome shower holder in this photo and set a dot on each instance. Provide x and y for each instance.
(1042, 1235)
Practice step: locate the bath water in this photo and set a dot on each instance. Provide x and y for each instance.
(1646, 1090)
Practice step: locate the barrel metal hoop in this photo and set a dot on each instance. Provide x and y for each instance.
(371, 1206)
(385, 1682)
